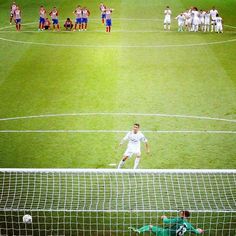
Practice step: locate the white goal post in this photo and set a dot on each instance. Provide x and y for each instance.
(104, 202)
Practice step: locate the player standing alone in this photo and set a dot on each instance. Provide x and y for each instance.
(134, 138)
(179, 226)
(167, 19)
(108, 12)
(103, 13)
(17, 18)
(12, 9)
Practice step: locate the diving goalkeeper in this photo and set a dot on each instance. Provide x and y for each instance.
(179, 226)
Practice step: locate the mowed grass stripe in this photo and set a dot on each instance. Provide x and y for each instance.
(46, 80)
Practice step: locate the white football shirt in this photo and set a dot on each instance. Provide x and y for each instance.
(134, 140)
(218, 20)
(167, 13)
(213, 14)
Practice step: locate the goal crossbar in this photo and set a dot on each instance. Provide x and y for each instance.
(123, 171)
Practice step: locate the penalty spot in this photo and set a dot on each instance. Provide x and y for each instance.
(112, 164)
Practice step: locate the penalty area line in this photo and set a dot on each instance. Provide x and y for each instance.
(124, 131)
(116, 45)
(118, 114)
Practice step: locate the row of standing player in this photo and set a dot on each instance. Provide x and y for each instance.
(81, 15)
(194, 20)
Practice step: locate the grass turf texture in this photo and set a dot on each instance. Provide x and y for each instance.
(115, 73)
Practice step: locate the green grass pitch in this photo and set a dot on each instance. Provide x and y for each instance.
(137, 68)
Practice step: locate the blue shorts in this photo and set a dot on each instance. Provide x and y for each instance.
(41, 20)
(55, 21)
(108, 22)
(103, 16)
(78, 20)
(18, 21)
(85, 20)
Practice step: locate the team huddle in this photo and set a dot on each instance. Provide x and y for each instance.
(195, 20)
(81, 18)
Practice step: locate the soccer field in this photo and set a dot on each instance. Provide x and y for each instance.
(68, 98)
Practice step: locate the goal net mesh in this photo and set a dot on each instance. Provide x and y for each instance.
(106, 202)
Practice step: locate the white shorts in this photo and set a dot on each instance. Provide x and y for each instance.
(207, 22)
(219, 27)
(213, 22)
(195, 21)
(130, 152)
(167, 20)
(188, 21)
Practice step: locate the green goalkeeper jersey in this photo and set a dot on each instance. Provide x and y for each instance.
(179, 226)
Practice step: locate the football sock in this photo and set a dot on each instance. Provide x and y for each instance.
(136, 162)
(121, 164)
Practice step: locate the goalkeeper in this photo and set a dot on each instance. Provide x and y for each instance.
(179, 226)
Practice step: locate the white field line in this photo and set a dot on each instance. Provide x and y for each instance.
(119, 114)
(123, 131)
(230, 26)
(12, 26)
(113, 46)
(116, 46)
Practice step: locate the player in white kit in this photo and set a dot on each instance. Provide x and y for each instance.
(167, 19)
(202, 19)
(188, 19)
(134, 138)
(213, 13)
(195, 23)
(181, 20)
(219, 21)
(207, 20)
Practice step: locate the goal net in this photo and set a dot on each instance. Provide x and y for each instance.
(98, 202)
